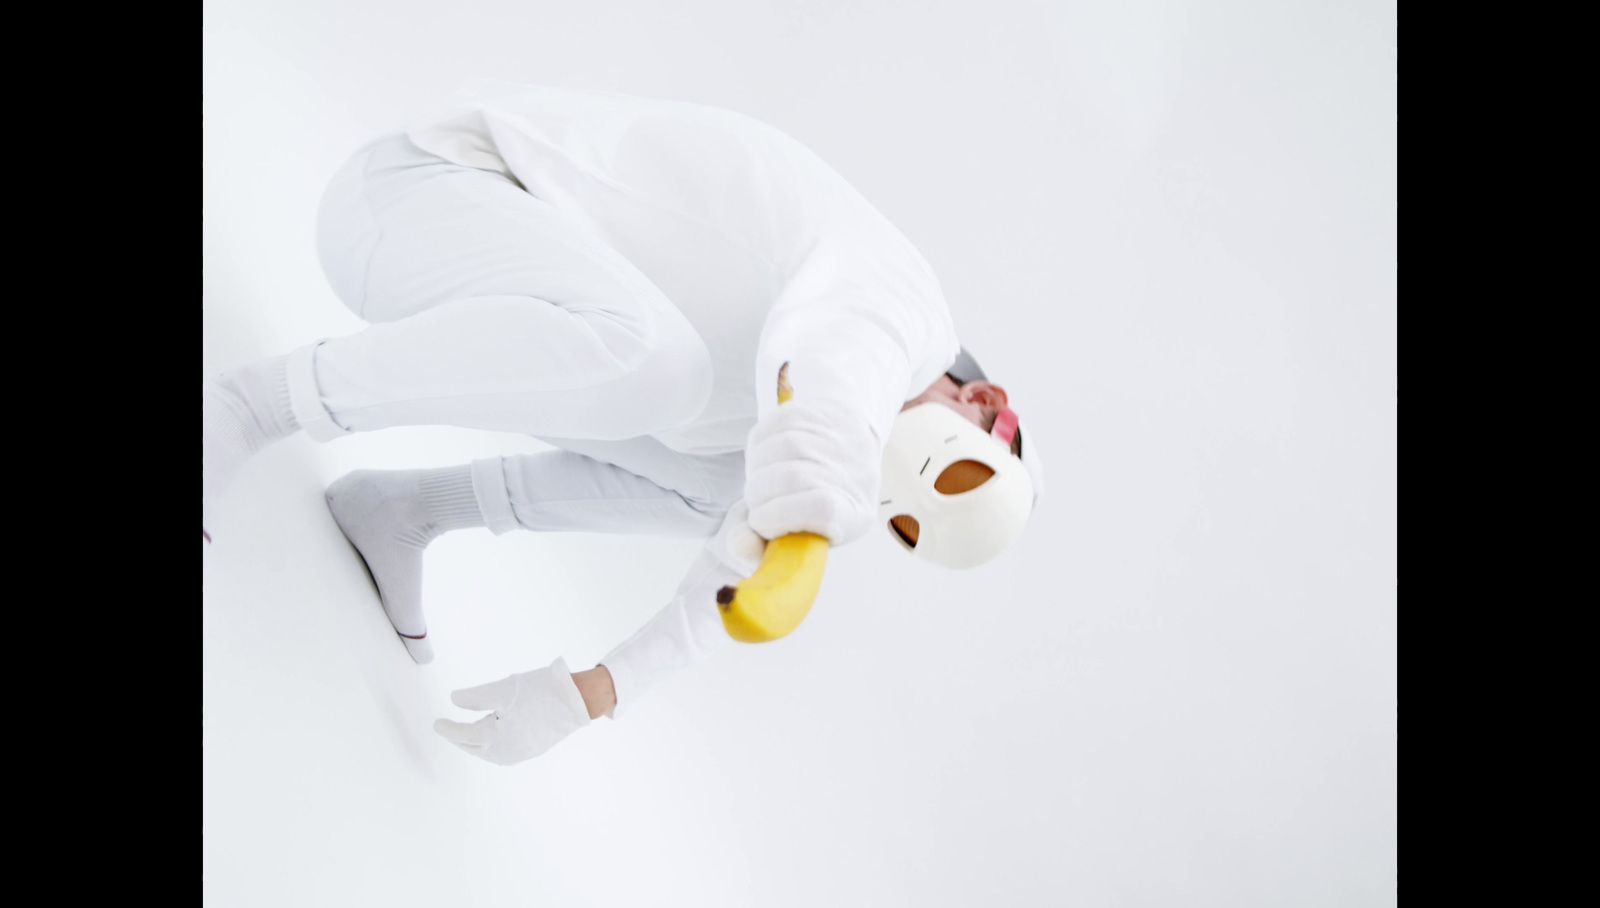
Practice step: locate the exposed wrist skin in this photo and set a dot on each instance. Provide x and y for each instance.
(599, 694)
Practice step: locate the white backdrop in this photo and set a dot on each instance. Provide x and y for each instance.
(1167, 228)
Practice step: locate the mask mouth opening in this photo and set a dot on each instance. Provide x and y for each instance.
(904, 528)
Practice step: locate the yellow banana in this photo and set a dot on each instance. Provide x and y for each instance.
(775, 599)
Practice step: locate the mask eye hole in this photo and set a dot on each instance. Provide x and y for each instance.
(904, 527)
(962, 476)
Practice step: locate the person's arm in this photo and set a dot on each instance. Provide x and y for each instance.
(812, 464)
(688, 628)
(531, 712)
(846, 344)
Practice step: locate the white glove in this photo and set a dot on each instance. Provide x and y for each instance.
(532, 712)
(736, 546)
(813, 469)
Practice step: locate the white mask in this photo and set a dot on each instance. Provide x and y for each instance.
(968, 496)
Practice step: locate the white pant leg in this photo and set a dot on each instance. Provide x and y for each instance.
(496, 311)
(633, 486)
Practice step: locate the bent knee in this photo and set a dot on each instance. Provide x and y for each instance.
(347, 233)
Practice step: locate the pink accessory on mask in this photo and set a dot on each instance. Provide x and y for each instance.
(1005, 425)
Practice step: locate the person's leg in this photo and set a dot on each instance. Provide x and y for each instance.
(639, 486)
(495, 311)
(247, 408)
(636, 486)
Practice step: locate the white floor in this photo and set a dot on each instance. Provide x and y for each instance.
(1171, 229)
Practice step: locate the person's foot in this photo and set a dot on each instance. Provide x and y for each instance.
(390, 516)
(227, 440)
(241, 412)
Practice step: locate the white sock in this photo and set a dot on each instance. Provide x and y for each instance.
(390, 516)
(241, 412)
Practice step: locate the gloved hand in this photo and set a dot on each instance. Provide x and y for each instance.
(736, 546)
(813, 468)
(532, 712)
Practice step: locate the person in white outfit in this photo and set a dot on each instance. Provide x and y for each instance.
(623, 278)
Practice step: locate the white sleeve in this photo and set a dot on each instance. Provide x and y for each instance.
(813, 464)
(689, 628)
(848, 346)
